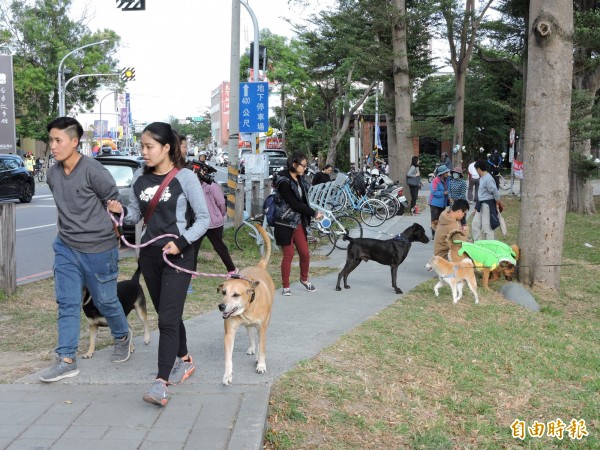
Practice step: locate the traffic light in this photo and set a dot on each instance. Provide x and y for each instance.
(128, 74)
(131, 5)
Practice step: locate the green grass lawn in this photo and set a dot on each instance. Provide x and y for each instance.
(427, 374)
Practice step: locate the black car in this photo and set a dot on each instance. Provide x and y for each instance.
(16, 182)
(277, 160)
(122, 169)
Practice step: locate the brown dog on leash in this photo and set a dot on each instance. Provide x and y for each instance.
(248, 300)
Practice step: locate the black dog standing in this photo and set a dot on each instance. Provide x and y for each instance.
(390, 252)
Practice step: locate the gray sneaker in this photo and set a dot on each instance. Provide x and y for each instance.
(308, 285)
(182, 370)
(158, 393)
(286, 291)
(59, 371)
(123, 348)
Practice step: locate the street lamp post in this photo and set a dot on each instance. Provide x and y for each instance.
(61, 92)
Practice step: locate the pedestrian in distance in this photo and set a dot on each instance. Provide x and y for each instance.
(29, 162)
(171, 201)
(413, 179)
(324, 176)
(85, 249)
(218, 215)
(457, 188)
(438, 196)
(486, 218)
(292, 216)
(473, 186)
(446, 161)
(494, 164)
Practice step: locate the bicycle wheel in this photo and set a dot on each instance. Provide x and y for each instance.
(337, 201)
(391, 203)
(504, 184)
(41, 175)
(247, 236)
(320, 242)
(345, 224)
(373, 212)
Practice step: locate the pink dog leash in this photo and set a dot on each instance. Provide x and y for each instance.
(119, 225)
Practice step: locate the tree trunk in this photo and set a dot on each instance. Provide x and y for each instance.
(581, 197)
(283, 124)
(547, 115)
(459, 115)
(339, 130)
(460, 55)
(388, 95)
(400, 155)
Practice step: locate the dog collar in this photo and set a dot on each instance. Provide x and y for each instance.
(241, 277)
(401, 238)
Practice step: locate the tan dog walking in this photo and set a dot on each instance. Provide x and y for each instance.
(248, 300)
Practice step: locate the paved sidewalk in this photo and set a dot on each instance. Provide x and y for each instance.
(103, 408)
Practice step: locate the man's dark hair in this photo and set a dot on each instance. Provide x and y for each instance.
(460, 204)
(69, 125)
(481, 164)
(182, 138)
(327, 166)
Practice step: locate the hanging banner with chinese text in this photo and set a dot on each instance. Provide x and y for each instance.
(8, 139)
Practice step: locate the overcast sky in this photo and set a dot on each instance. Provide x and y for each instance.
(180, 49)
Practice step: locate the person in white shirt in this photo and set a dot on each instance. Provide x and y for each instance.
(473, 187)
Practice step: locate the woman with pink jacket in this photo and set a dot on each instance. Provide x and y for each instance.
(218, 212)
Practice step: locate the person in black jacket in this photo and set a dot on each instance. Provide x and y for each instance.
(292, 216)
(324, 176)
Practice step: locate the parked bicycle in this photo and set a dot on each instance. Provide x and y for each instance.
(247, 234)
(373, 212)
(39, 173)
(327, 233)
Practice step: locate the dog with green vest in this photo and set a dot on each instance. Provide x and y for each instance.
(490, 257)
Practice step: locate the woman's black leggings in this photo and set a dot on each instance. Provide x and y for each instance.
(215, 236)
(414, 194)
(168, 289)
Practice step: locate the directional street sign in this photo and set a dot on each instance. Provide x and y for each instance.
(254, 107)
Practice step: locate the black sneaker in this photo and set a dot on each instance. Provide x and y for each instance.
(308, 285)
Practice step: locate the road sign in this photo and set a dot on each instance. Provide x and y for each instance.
(8, 140)
(254, 107)
(511, 136)
(196, 119)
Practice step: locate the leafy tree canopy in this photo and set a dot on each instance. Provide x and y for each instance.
(40, 33)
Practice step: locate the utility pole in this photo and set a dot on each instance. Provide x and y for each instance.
(235, 200)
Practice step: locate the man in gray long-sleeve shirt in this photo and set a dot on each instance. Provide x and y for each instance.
(485, 220)
(85, 250)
